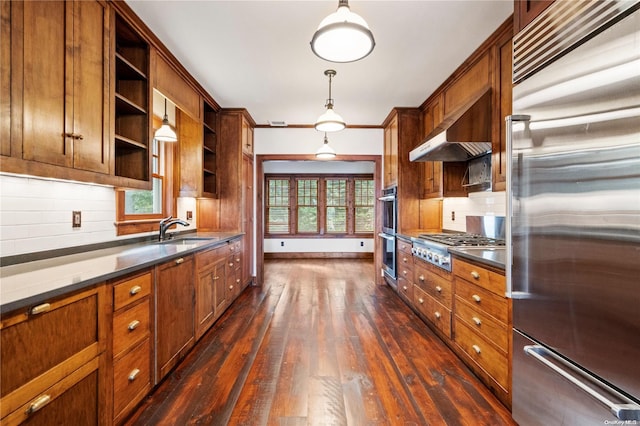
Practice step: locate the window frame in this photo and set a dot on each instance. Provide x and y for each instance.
(321, 205)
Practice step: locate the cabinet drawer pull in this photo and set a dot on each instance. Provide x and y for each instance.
(231, 264)
(421, 277)
(230, 287)
(437, 315)
(179, 261)
(476, 348)
(439, 289)
(476, 298)
(476, 320)
(237, 280)
(404, 273)
(237, 259)
(135, 290)
(39, 403)
(134, 373)
(40, 309)
(404, 259)
(133, 325)
(404, 287)
(475, 275)
(421, 300)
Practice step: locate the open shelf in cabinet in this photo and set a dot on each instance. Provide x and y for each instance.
(209, 150)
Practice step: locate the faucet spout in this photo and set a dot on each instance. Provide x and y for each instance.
(166, 223)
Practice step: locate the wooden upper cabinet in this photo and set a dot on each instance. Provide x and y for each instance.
(432, 179)
(247, 138)
(525, 11)
(467, 86)
(391, 153)
(502, 100)
(60, 64)
(188, 156)
(209, 150)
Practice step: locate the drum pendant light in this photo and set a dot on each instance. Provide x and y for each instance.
(342, 36)
(325, 152)
(165, 133)
(330, 121)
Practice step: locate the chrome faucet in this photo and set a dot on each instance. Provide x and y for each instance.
(166, 223)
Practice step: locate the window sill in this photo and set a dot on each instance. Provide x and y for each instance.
(129, 227)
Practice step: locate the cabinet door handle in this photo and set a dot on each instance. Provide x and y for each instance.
(40, 309)
(39, 403)
(421, 277)
(437, 315)
(476, 320)
(439, 289)
(179, 261)
(133, 325)
(75, 136)
(475, 275)
(134, 373)
(476, 348)
(135, 290)
(421, 300)
(476, 298)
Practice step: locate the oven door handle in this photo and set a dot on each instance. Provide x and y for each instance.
(387, 198)
(386, 236)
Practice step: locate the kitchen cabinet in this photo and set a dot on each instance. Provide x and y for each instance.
(188, 156)
(52, 361)
(502, 99)
(210, 288)
(131, 342)
(525, 11)
(209, 151)
(432, 179)
(60, 65)
(174, 325)
(235, 171)
(404, 260)
(132, 103)
(482, 325)
(234, 271)
(402, 134)
(432, 296)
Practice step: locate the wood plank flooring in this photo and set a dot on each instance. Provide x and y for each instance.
(320, 344)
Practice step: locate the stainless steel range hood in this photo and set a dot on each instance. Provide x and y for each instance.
(463, 135)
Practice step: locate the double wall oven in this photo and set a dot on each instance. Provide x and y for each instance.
(389, 211)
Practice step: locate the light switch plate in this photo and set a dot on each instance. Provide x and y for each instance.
(76, 220)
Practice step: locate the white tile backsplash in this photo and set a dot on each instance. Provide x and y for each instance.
(476, 204)
(35, 214)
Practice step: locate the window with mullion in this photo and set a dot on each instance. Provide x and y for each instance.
(307, 206)
(336, 206)
(364, 205)
(278, 206)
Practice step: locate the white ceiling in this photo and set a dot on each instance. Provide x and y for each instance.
(256, 54)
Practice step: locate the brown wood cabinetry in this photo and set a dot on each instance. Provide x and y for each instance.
(209, 151)
(432, 296)
(174, 299)
(210, 287)
(525, 11)
(59, 61)
(483, 325)
(132, 106)
(188, 152)
(405, 267)
(131, 342)
(402, 134)
(52, 356)
(432, 179)
(502, 99)
(233, 271)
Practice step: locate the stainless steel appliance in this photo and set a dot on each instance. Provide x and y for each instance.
(484, 231)
(388, 235)
(574, 206)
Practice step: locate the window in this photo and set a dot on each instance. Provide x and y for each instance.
(298, 205)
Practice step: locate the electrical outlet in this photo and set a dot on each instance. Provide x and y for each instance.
(281, 243)
(453, 216)
(189, 215)
(361, 243)
(76, 219)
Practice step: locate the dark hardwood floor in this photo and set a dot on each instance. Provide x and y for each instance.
(320, 344)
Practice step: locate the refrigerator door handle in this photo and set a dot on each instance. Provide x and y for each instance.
(629, 410)
(509, 121)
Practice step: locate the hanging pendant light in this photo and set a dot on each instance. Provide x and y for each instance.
(325, 152)
(165, 133)
(342, 36)
(330, 121)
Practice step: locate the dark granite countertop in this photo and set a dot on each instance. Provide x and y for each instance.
(493, 256)
(31, 283)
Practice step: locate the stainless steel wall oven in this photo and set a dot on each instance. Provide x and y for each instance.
(388, 234)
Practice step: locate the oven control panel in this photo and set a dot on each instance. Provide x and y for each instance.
(434, 255)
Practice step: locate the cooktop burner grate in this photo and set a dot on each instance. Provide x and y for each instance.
(462, 239)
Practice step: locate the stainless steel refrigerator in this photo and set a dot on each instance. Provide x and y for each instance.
(574, 212)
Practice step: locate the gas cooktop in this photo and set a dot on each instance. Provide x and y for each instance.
(462, 239)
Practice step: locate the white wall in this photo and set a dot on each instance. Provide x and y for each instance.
(307, 141)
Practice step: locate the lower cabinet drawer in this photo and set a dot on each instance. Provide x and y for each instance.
(131, 379)
(490, 359)
(405, 289)
(130, 326)
(436, 313)
(482, 323)
(491, 303)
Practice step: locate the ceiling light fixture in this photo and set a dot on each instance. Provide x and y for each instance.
(330, 121)
(342, 36)
(325, 152)
(165, 133)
